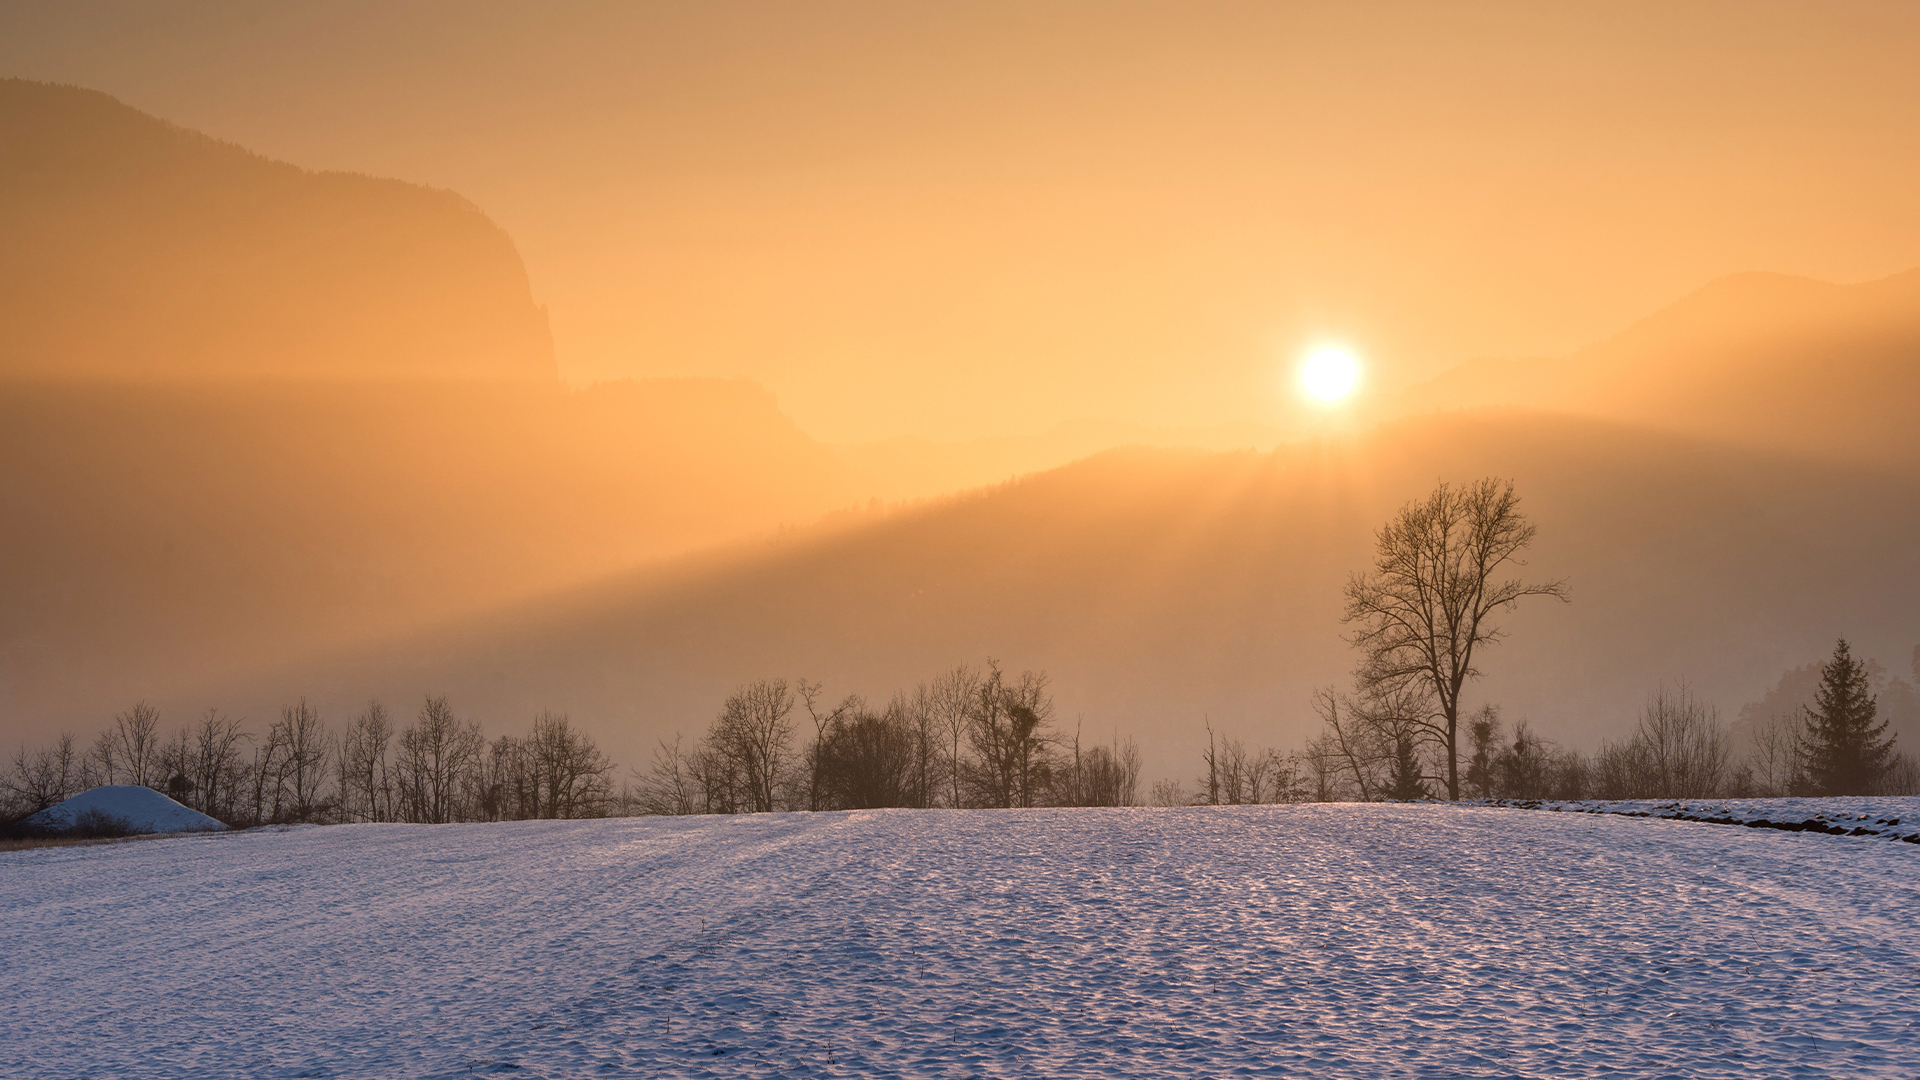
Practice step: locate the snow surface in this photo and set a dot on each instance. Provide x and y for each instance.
(1882, 817)
(142, 808)
(1342, 941)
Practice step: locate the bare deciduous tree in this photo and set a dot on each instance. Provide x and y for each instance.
(129, 752)
(438, 759)
(809, 694)
(217, 770)
(669, 786)
(1236, 774)
(1774, 755)
(570, 773)
(1321, 762)
(1684, 744)
(1101, 776)
(1007, 728)
(1483, 733)
(922, 715)
(1352, 743)
(1169, 793)
(1211, 759)
(366, 780)
(306, 748)
(866, 760)
(46, 777)
(1678, 750)
(755, 733)
(1526, 767)
(951, 697)
(1426, 607)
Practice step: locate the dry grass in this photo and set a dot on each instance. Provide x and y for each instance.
(28, 843)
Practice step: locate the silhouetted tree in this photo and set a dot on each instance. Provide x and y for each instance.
(1351, 743)
(1211, 759)
(1007, 727)
(1101, 776)
(1321, 762)
(670, 784)
(951, 700)
(1236, 774)
(1483, 733)
(1846, 750)
(508, 789)
(216, 767)
(366, 780)
(867, 760)
(45, 777)
(754, 734)
(1405, 778)
(1525, 767)
(129, 751)
(1426, 607)
(823, 719)
(921, 713)
(718, 778)
(305, 749)
(569, 772)
(1682, 745)
(437, 764)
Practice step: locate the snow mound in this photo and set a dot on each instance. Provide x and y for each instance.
(143, 809)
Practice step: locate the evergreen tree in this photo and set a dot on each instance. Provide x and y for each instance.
(1846, 752)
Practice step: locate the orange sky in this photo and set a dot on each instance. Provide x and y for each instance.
(970, 220)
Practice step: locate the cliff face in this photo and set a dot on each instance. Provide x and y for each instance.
(138, 249)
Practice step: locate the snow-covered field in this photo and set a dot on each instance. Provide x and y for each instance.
(1353, 941)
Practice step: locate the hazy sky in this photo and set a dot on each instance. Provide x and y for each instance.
(973, 219)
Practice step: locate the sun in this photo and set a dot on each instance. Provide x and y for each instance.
(1329, 373)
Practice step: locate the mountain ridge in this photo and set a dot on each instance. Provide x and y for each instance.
(1762, 359)
(139, 248)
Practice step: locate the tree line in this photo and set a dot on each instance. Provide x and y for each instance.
(438, 768)
(1422, 617)
(1678, 749)
(967, 738)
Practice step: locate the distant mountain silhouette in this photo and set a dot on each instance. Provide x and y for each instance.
(1763, 360)
(1162, 586)
(135, 248)
(249, 411)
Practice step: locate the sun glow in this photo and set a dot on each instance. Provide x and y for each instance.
(1329, 373)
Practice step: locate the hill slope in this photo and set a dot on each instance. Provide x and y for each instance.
(1161, 587)
(137, 248)
(151, 535)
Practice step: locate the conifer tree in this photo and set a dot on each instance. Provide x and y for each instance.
(1845, 751)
